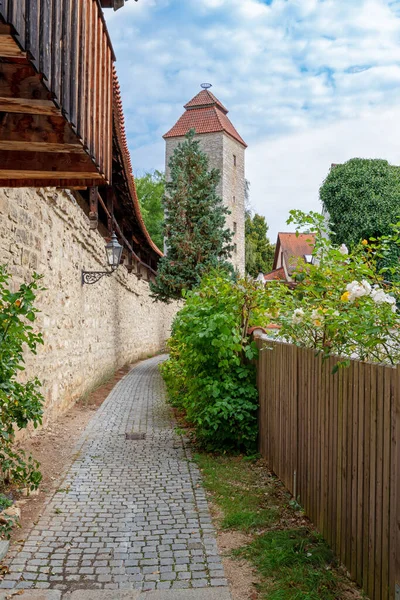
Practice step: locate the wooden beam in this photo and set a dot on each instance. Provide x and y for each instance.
(21, 81)
(93, 208)
(35, 128)
(48, 176)
(28, 106)
(57, 183)
(55, 162)
(40, 147)
(10, 48)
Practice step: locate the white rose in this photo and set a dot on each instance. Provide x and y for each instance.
(343, 249)
(297, 316)
(356, 290)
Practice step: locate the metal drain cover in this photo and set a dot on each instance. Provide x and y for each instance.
(135, 436)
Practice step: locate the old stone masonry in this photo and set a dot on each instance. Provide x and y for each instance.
(130, 519)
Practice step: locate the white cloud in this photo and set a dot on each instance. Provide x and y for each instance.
(296, 75)
(286, 173)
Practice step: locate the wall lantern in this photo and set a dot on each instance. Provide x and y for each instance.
(113, 252)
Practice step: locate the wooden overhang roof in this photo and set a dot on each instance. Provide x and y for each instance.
(61, 119)
(56, 62)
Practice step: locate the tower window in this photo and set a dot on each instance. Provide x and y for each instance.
(235, 248)
(234, 160)
(234, 199)
(234, 227)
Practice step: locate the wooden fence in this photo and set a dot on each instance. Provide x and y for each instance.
(334, 440)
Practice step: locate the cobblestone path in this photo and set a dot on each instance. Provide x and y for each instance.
(130, 514)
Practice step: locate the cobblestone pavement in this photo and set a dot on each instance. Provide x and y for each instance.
(130, 514)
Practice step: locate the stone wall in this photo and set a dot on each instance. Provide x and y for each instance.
(89, 331)
(221, 148)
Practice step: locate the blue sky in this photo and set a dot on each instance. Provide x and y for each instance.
(307, 83)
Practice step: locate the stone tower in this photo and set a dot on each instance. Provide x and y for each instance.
(225, 149)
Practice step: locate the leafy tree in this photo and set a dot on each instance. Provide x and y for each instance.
(362, 197)
(150, 191)
(196, 237)
(259, 250)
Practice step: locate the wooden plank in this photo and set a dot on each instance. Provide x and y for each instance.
(89, 75)
(35, 128)
(74, 62)
(56, 44)
(81, 184)
(33, 176)
(360, 472)
(379, 482)
(396, 496)
(386, 414)
(339, 507)
(372, 488)
(40, 147)
(46, 161)
(367, 470)
(353, 447)
(99, 108)
(325, 425)
(82, 96)
(45, 39)
(32, 107)
(394, 540)
(66, 60)
(9, 48)
(21, 81)
(32, 17)
(335, 380)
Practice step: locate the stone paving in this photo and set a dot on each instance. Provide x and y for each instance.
(130, 514)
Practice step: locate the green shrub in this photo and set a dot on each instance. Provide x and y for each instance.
(210, 373)
(20, 402)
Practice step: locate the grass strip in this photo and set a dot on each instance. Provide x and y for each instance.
(292, 560)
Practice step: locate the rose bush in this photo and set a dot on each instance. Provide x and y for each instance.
(342, 303)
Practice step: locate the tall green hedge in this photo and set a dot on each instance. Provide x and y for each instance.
(362, 197)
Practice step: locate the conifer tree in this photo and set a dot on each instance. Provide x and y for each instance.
(195, 234)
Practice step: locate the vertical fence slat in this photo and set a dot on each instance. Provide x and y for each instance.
(360, 474)
(386, 410)
(372, 487)
(367, 469)
(379, 484)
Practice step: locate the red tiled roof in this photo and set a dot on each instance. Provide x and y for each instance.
(205, 114)
(275, 275)
(123, 144)
(205, 98)
(293, 247)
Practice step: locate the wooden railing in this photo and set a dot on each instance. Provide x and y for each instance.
(68, 43)
(334, 440)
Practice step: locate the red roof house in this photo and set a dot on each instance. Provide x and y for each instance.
(290, 248)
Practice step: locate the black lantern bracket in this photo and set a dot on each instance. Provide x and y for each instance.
(90, 277)
(113, 252)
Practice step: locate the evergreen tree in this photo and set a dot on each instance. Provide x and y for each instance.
(259, 250)
(195, 233)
